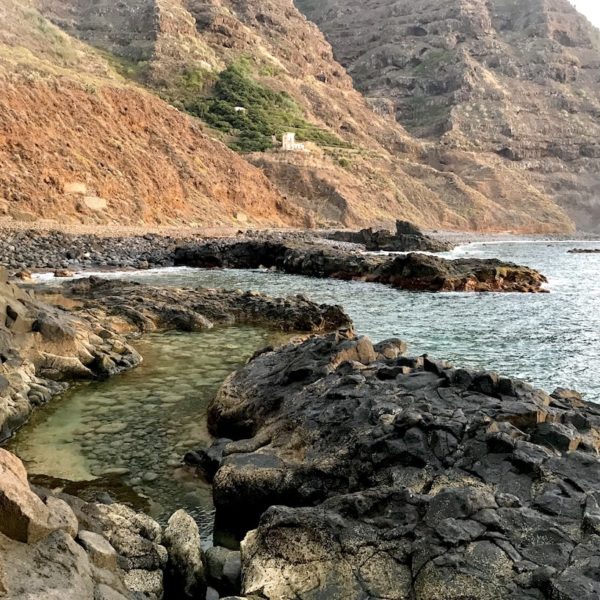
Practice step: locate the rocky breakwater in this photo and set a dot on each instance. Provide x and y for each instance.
(355, 471)
(406, 238)
(133, 307)
(56, 546)
(43, 346)
(316, 258)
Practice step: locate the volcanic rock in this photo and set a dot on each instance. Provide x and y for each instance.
(407, 238)
(137, 307)
(50, 544)
(413, 271)
(440, 483)
(185, 568)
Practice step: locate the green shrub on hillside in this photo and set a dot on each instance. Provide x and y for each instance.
(267, 112)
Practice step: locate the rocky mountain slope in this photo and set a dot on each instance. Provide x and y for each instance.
(500, 78)
(78, 143)
(121, 153)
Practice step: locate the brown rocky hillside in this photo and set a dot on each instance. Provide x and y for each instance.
(78, 144)
(499, 78)
(85, 124)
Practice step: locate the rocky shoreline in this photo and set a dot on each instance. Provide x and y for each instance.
(312, 258)
(51, 541)
(50, 250)
(29, 249)
(298, 253)
(77, 331)
(380, 475)
(340, 468)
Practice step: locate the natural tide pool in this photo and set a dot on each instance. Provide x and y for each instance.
(135, 427)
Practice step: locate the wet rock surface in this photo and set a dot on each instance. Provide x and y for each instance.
(406, 238)
(145, 308)
(371, 474)
(314, 258)
(41, 346)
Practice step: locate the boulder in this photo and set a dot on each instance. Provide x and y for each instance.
(39, 557)
(136, 538)
(406, 238)
(23, 515)
(100, 551)
(61, 516)
(184, 576)
(53, 568)
(224, 570)
(145, 584)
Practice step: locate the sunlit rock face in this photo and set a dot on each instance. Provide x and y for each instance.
(514, 79)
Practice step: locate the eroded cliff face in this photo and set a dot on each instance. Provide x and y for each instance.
(381, 172)
(115, 152)
(518, 80)
(78, 143)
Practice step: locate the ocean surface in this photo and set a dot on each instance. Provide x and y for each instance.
(134, 428)
(550, 340)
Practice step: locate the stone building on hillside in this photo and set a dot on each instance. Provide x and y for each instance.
(289, 143)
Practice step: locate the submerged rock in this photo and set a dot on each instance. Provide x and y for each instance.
(355, 474)
(415, 271)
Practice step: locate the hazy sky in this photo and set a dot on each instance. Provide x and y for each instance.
(590, 8)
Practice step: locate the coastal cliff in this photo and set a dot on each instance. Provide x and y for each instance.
(501, 79)
(144, 87)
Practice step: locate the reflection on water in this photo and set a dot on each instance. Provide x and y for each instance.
(139, 424)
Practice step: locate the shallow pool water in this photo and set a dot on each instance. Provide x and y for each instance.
(139, 424)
